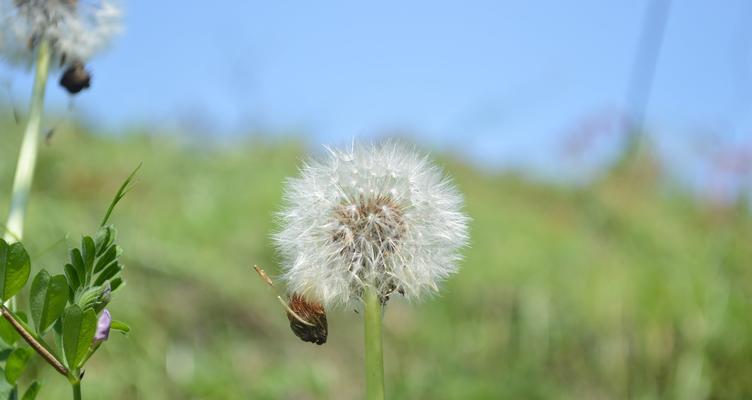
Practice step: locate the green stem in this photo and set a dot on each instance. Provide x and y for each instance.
(76, 385)
(27, 156)
(374, 346)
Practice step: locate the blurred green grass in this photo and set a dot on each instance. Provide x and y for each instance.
(623, 288)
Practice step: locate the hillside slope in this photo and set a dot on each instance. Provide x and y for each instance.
(619, 289)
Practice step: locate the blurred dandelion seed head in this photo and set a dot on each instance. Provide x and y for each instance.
(75, 29)
(372, 215)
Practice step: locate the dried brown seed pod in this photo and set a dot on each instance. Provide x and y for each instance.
(309, 319)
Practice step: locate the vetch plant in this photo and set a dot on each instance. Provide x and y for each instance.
(360, 225)
(69, 307)
(50, 34)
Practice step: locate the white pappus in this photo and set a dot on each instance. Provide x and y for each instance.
(75, 29)
(380, 215)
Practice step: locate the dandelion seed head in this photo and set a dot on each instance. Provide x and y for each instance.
(75, 29)
(371, 215)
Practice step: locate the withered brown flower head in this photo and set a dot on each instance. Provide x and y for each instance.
(313, 326)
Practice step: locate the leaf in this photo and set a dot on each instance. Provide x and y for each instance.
(120, 326)
(8, 332)
(48, 298)
(78, 334)
(15, 267)
(88, 252)
(32, 392)
(16, 364)
(110, 265)
(78, 264)
(108, 257)
(108, 273)
(116, 283)
(73, 280)
(103, 238)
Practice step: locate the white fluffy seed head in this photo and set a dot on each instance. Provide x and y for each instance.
(377, 215)
(75, 29)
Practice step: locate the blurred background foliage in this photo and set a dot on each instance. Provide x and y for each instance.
(623, 287)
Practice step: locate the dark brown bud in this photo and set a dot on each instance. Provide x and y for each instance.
(76, 78)
(315, 329)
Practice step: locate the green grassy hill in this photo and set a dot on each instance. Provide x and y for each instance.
(621, 289)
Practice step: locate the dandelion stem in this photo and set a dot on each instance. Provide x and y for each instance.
(27, 156)
(374, 346)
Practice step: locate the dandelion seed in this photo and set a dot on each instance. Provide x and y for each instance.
(379, 216)
(75, 29)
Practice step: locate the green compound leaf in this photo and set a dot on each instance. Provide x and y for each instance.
(15, 267)
(94, 264)
(16, 364)
(47, 299)
(78, 334)
(32, 392)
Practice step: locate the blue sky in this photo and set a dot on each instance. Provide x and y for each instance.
(500, 82)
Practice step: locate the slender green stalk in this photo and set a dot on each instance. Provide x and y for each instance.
(374, 346)
(76, 385)
(27, 157)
